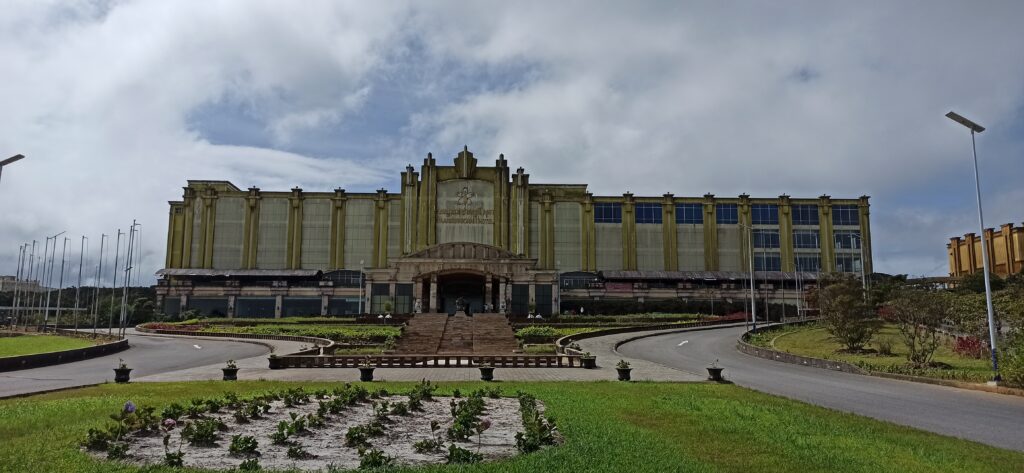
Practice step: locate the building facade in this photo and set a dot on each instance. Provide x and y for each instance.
(1005, 252)
(492, 237)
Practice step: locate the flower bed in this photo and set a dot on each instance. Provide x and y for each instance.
(349, 427)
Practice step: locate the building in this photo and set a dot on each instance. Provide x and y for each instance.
(1005, 252)
(494, 238)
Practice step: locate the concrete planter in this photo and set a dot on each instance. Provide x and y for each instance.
(366, 373)
(624, 373)
(589, 363)
(230, 374)
(486, 373)
(122, 375)
(715, 374)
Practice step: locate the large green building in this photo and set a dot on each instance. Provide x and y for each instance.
(492, 237)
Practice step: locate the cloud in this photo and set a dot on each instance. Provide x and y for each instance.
(118, 103)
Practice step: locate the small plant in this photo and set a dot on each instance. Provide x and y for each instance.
(714, 364)
(587, 356)
(457, 455)
(121, 365)
(280, 436)
(434, 443)
(173, 411)
(241, 417)
(231, 400)
(202, 432)
(97, 440)
(373, 458)
(622, 365)
(381, 410)
(298, 453)
(175, 459)
(214, 405)
(251, 464)
(400, 409)
(196, 408)
(884, 346)
(117, 450)
(244, 445)
(231, 365)
(366, 363)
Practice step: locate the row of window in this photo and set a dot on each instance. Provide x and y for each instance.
(726, 214)
(848, 263)
(807, 239)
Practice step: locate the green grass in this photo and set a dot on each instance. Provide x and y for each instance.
(543, 349)
(267, 321)
(815, 342)
(338, 333)
(608, 427)
(32, 344)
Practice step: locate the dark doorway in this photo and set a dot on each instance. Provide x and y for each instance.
(470, 287)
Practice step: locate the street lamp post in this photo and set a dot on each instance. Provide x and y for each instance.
(976, 128)
(9, 160)
(361, 263)
(753, 300)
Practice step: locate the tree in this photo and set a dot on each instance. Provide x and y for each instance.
(976, 283)
(845, 311)
(918, 313)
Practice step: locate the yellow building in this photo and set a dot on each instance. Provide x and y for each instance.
(1005, 252)
(494, 238)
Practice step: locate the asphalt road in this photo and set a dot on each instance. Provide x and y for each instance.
(147, 355)
(994, 419)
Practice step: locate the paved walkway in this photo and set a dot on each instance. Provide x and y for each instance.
(255, 368)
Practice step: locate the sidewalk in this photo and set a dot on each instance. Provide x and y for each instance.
(603, 347)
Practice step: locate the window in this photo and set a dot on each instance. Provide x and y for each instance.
(805, 214)
(727, 214)
(808, 263)
(767, 262)
(845, 215)
(806, 239)
(848, 263)
(847, 240)
(766, 238)
(690, 213)
(608, 212)
(764, 214)
(648, 213)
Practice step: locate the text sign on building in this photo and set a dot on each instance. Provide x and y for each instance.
(465, 211)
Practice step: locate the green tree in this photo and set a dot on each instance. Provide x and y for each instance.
(847, 314)
(975, 283)
(918, 313)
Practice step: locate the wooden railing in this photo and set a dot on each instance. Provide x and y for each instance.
(425, 361)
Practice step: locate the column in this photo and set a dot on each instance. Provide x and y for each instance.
(231, 307)
(501, 296)
(487, 291)
(184, 304)
(325, 301)
(554, 299)
(367, 296)
(433, 294)
(278, 303)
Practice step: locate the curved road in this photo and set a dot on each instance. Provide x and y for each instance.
(994, 419)
(147, 355)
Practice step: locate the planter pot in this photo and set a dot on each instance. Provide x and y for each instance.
(230, 374)
(276, 363)
(715, 374)
(589, 363)
(487, 374)
(366, 374)
(122, 375)
(623, 373)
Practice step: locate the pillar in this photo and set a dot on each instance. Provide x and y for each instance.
(325, 301)
(555, 310)
(433, 294)
(487, 291)
(278, 304)
(501, 296)
(231, 307)
(184, 304)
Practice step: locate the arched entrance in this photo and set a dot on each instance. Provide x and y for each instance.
(468, 286)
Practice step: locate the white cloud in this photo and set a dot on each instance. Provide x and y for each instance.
(801, 98)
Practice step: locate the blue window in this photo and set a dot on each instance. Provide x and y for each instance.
(848, 263)
(767, 262)
(648, 213)
(727, 214)
(690, 213)
(847, 239)
(766, 238)
(845, 215)
(806, 239)
(808, 263)
(608, 212)
(764, 214)
(805, 214)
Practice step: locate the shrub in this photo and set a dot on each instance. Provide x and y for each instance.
(202, 432)
(969, 347)
(845, 311)
(427, 445)
(298, 453)
(537, 334)
(400, 409)
(373, 458)
(884, 347)
(1013, 359)
(457, 455)
(537, 430)
(243, 445)
(173, 411)
(117, 450)
(251, 464)
(97, 439)
(918, 314)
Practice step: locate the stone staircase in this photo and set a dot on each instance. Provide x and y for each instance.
(423, 334)
(482, 334)
(493, 335)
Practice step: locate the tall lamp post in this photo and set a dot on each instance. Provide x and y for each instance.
(361, 263)
(9, 160)
(976, 128)
(753, 300)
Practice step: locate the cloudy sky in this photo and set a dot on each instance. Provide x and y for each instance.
(117, 103)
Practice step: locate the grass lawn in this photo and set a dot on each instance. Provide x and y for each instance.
(32, 344)
(814, 341)
(608, 427)
(338, 333)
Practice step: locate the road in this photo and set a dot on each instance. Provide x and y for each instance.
(994, 419)
(147, 355)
